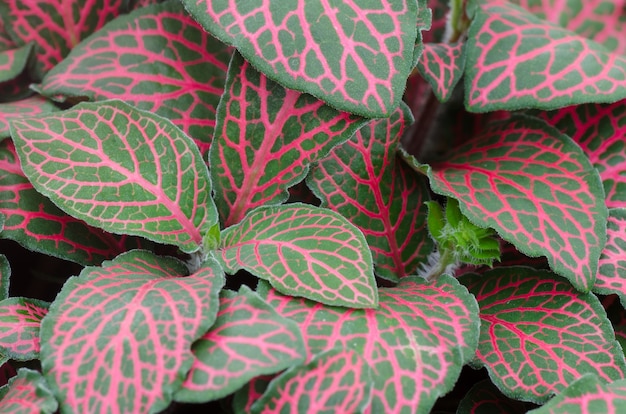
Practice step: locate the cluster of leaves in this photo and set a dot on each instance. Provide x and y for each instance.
(173, 147)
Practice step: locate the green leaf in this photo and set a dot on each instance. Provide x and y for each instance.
(27, 393)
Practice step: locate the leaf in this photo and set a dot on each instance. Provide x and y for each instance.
(536, 188)
(250, 393)
(27, 393)
(36, 223)
(599, 130)
(266, 138)
(118, 337)
(13, 62)
(442, 65)
(157, 59)
(303, 251)
(54, 26)
(538, 334)
(612, 266)
(335, 381)
(121, 169)
(416, 341)
(5, 275)
(355, 56)
(364, 181)
(588, 395)
(248, 339)
(516, 60)
(20, 319)
(485, 398)
(30, 106)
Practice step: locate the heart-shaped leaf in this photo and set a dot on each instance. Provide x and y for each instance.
(157, 59)
(416, 341)
(20, 320)
(266, 138)
(337, 381)
(27, 393)
(612, 272)
(364, 181)
(118, 337)
(248, 339)
(536, 188)
(30, 106)
(538, 334)
(303, 251)
(354, 55)
(121, 169)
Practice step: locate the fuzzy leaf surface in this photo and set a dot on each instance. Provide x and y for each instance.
(157, 59)
(365, 181)
(516, 60)
(442, 66)
(30, 106)
(27, 393)
(118, 337)
(538, 334)
(121, 169)
(36, 223)
(415, 341)
(536, 188)
(266, 138)
(55, 26)
(354, 55)
(612, 272)
(303, 251)
(20, 320)
(13, 62)
(335, 381)
(248, 339)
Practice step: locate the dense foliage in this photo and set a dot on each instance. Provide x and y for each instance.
(314, 206)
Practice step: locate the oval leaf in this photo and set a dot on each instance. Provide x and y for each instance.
(356, 64)
(304, 251)
(30, 106)
(118, 337)
(27, 393)
(612, 272)
(121, 169)
(442, 66)
(20, 320)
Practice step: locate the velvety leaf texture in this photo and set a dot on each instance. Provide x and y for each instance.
(55, 26)
(303, 251)
(365, 181)
(354, 55)
(612, 272)
(266, 138)
(442, 65)
(485, 398)
(27, 393)
(30, 106)
(20, 320)
(13, 62)
(536, 188)
(415, 341)
(337, 381)
(515, 60)
(157, 59)
(37, 224)
(118, 338)
(248, 339)
(538, 334)
(121, 169)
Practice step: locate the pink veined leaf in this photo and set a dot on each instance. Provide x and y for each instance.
(129, 324)
(442, 65)
(157, 59)
(485, 398)
(36, 223)
(55, 26)
(600, 131)
(250, 393)
(20, 319)
(27, 393)
(423, 23)
(612, 267)
(337, 381)
(266, 138)
(536, 188)
(603, 21)
(588, 395)
(13, 62)
(515, 60)
(121, 169)
(5, 274)
(361, 66)
(303, 251)
(6, 43)
(416, 341)
(560, 335)
(248, 339)
(30, 106)
(365, 181)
